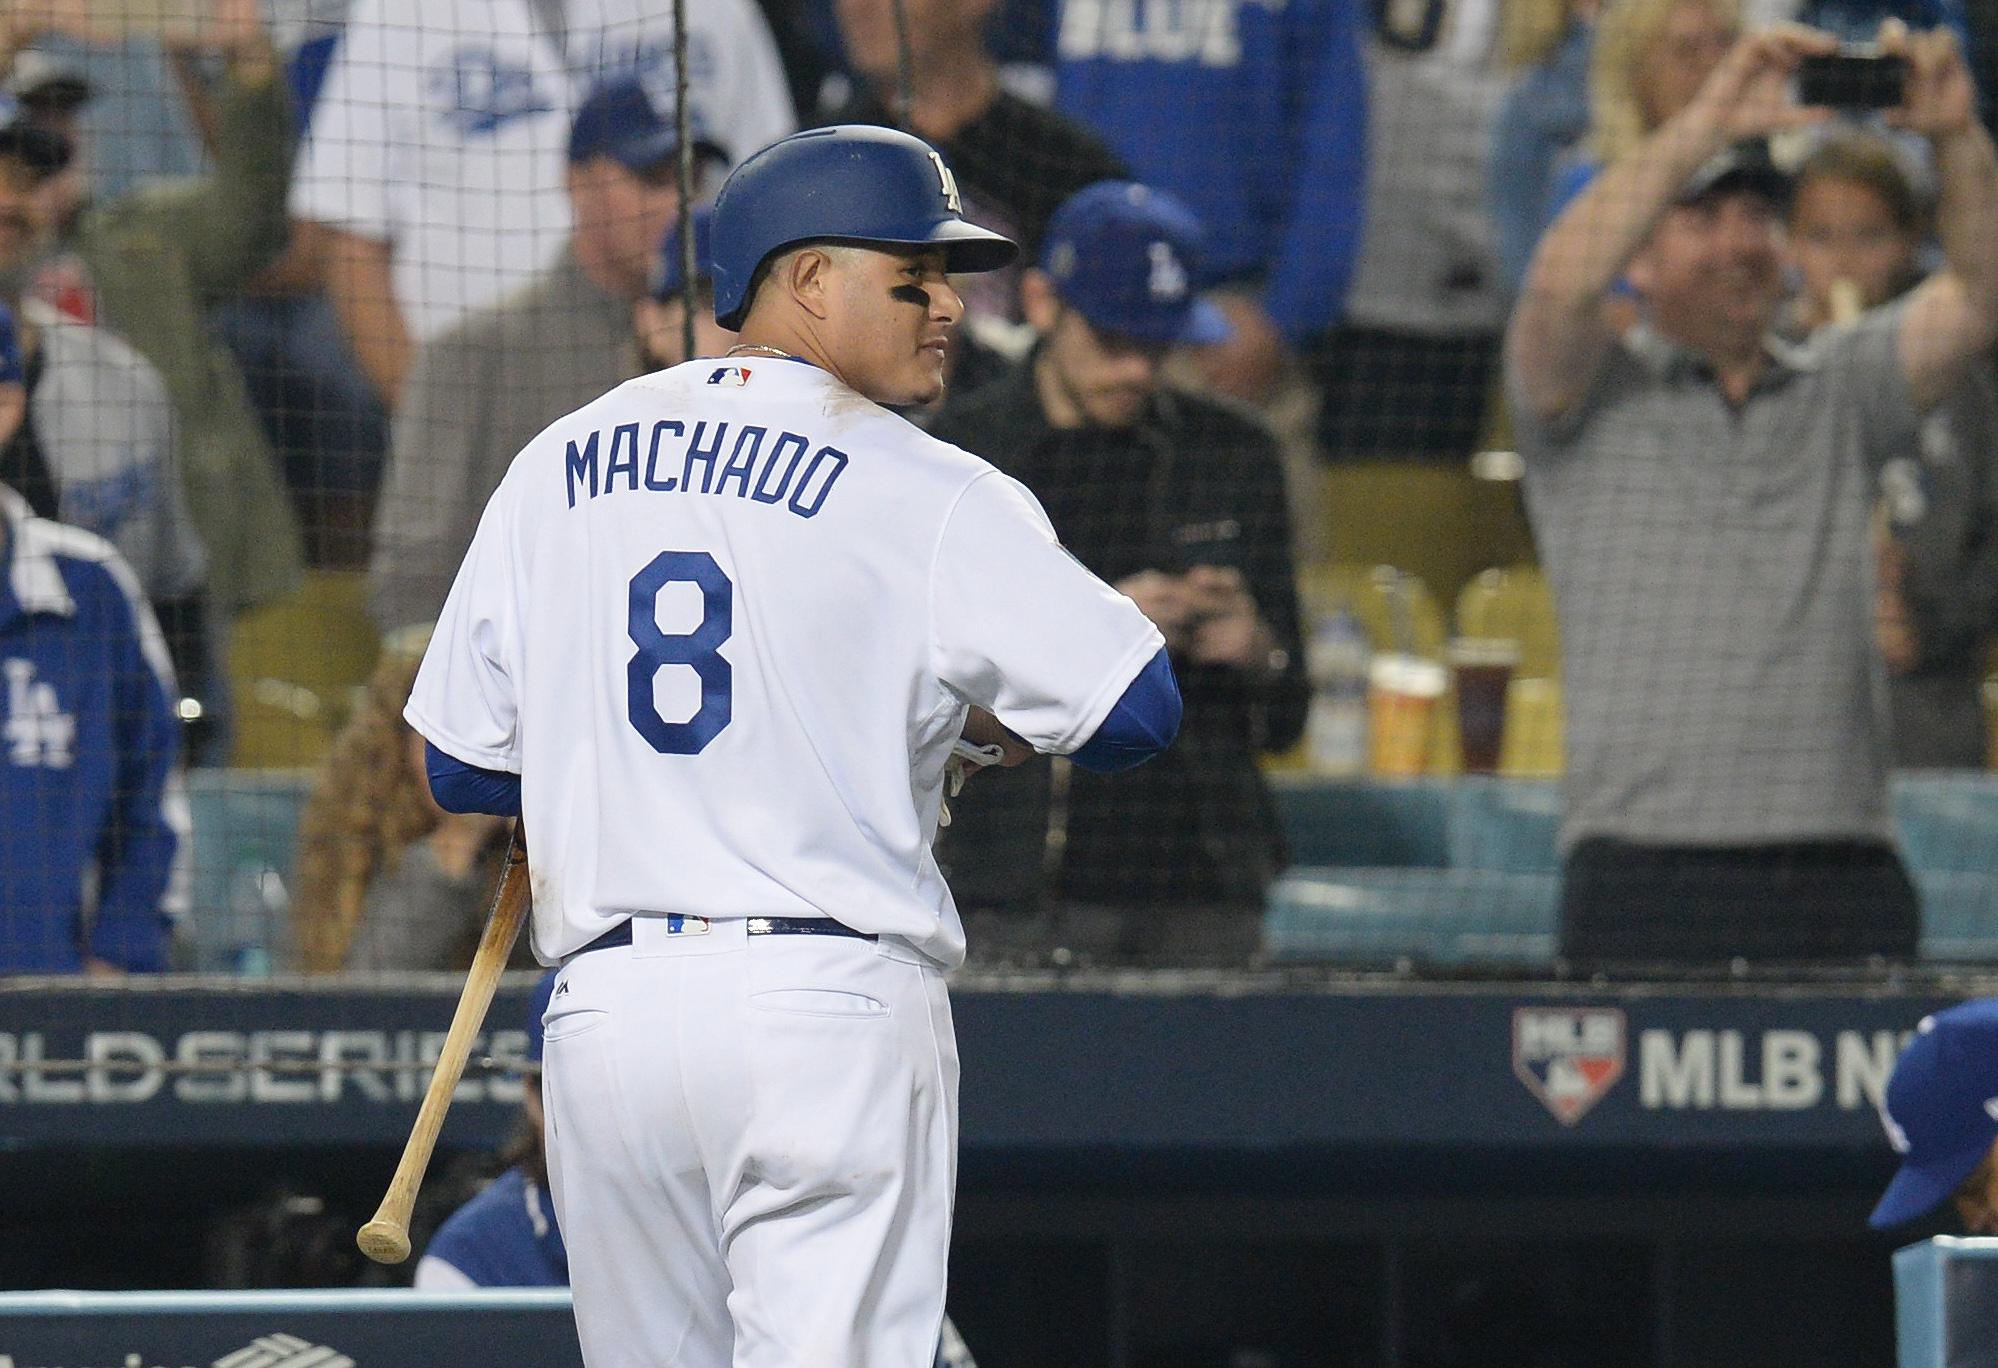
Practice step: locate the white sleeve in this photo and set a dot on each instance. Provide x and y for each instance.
(434, 1275)
(464, 701)
(344, 173)
(1020, 627)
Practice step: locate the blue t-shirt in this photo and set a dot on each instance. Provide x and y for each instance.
(505, 1237)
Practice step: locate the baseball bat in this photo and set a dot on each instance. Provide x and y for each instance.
(385, 1239)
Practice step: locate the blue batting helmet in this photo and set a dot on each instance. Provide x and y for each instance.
(848, 183)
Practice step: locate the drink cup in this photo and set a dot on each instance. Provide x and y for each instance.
(1401, 700)
(1482, 668)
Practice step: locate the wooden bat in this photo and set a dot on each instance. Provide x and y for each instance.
(386, 1238)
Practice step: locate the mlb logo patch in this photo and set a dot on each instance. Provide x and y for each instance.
(735, 377)
(1567, 1057)
(677, 925)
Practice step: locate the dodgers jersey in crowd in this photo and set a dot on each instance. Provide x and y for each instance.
(725, 622)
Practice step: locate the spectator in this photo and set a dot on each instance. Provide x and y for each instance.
(507, 1236)
(150, 264)
(1178, 501)
(1540, 123)
(434, 158)
(1014, 161)
(96, 448)
(386, 878)
(1701, 495)
(1406, 374)
(658, 319)
(505, 371)
(1651, 58)
(1939, 1119)
(89, 799)
(1856, 226)
(1255, 116)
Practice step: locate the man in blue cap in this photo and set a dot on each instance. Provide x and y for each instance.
(479, 391)
(1941, 1115)
(1177, 501)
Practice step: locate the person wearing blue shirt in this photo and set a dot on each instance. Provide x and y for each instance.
(1254, 115)
(89, 737)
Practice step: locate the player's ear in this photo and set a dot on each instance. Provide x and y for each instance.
(808, 276)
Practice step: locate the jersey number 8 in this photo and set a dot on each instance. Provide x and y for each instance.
(699, 649)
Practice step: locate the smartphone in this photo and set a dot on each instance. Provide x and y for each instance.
(1854, 78)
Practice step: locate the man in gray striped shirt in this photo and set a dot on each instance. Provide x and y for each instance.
(1701, 492)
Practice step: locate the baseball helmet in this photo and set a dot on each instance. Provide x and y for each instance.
(849, 183)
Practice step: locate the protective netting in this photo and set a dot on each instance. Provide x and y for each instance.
(1656, 645)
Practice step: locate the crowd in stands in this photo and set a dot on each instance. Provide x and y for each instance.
(293, 280)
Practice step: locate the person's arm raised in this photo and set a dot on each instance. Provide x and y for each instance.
(1952, 317)
(1558, 336)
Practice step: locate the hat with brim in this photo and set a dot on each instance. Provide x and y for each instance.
(1745, 168)
(45, 81)
(1127, 258)
(1941, 1109)
(1919, 1188)
(619, 120)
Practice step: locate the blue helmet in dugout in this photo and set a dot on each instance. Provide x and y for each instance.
(1941, 1110)
(850, 183)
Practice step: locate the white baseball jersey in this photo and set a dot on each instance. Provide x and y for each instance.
(726, 621)
(443, 128)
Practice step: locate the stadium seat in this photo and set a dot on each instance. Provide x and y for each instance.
(245, 842)
(1444, 918)
(1947, 820)
(1402, 823)
(295, 667)
(1505, 826)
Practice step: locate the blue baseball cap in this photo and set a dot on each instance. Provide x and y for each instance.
(666, 276)
(1125, 257)
(1941, 1110)
(12, 372)
(537, 1007)
(619, 120)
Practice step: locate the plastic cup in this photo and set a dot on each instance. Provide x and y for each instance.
(1401, 700)
(1482, 668)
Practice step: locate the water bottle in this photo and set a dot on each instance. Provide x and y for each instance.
(1337, 658)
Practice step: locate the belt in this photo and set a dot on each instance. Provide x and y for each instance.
(757, 926)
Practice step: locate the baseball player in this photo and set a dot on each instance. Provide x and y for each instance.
(716, 638)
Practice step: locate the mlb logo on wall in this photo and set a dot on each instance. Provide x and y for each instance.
(1568, 1057)
(733, 376)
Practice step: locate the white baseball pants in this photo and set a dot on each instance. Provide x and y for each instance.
(753, 1148)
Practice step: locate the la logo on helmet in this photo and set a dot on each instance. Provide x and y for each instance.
(949, 183)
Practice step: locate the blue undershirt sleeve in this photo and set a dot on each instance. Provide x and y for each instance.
(1140, 725)
(459, 787)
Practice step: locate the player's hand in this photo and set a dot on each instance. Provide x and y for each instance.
(1226, 629)
(1248, 365)
(981, 728)
(1940, 100)
(1164, 599)
(1748, 94)
(101, 969)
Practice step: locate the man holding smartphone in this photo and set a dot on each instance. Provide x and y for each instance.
(1701, 492)
(1178, 502)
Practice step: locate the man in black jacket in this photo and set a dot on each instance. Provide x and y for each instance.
(1178, 501)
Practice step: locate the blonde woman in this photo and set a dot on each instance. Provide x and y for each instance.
(1650, 59)
(386, 878)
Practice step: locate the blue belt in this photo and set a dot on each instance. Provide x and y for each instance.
(758, 926)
